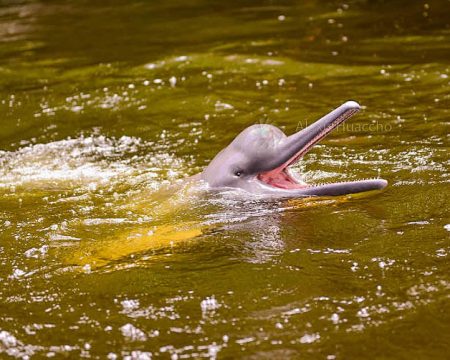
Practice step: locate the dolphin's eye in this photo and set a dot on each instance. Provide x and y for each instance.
(238, 173)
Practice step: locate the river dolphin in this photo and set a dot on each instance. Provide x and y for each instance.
(258, 160)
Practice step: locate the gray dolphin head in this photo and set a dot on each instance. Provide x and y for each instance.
(258, 160)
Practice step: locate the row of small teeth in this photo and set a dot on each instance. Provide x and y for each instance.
(340, 182)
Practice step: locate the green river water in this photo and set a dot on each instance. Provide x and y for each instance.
(105, 103)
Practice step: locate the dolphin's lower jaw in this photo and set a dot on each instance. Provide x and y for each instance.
(331, 189)
(281, 182)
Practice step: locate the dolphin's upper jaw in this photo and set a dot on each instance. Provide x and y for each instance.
(281, 176)
(321, 134)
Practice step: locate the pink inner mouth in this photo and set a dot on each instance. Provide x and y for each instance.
(280, 179)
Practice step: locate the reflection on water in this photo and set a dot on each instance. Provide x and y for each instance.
(106, 252)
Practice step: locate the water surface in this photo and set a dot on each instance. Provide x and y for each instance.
(104, 105)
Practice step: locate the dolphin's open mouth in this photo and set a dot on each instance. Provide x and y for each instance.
(299, 144)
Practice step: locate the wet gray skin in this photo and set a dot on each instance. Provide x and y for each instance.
(258, 160)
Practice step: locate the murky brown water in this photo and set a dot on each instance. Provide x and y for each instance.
(103, 105)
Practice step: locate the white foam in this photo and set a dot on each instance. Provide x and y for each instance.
(309, 338)
(88, 161)
(7, 339)
(132, 333)
(209, 304)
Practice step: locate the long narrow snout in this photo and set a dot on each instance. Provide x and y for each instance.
(277, 179)
(298, 144)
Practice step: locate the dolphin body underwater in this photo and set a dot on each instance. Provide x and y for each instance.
(258, 160)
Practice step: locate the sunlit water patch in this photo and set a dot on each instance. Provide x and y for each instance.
(107, 210)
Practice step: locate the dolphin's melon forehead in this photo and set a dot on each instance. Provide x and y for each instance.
(260, 132)
(258, 138)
